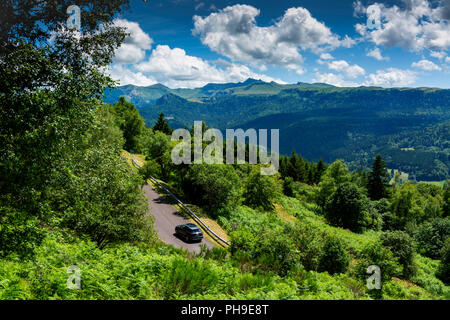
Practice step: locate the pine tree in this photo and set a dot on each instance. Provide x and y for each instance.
(321, 167)
(377, 184)
(162, 125)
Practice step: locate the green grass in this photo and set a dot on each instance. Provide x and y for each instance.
(305, 212)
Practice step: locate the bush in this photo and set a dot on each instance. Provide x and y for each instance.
(402, 246)
(266, 251)
(309, 243)
(346, 208)
(288, 187)
(261, 190)
(334, 258)
(19, 233)
(214, 186)
(406, 207)
(443, 271)
(431, 235)
(378, 255)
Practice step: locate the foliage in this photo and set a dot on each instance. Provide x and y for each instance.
(157, 148)
(101, 195)
(19, 233)
(431, 235)
(214, 186)
(162, 125)
(444, 267)
(336, 174)
(288, 186)
(403, 247)
(261, 190)
(346, 208)
(266, 251)
(130, 123)
(406, 206)
(49, 130)
(378, 255)
(378, 180)
(333, 258)
(446, 196)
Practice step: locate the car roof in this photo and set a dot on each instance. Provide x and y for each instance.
(192, 226)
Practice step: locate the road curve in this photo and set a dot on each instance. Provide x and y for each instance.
(167, 218)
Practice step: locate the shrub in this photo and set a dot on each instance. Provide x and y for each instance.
(214, 186)
(443, 271)
(431, 236)
(309, 243)
(334, 258)
(19, 233)
(406, 206)
(265, 250)
(288, 186)
(378, 255)
(346, 208)
(402, 246)
(261, 190)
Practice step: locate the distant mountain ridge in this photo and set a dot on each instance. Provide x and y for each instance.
(410, 127)
(143, 96)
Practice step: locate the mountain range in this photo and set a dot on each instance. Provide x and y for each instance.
(409, 127)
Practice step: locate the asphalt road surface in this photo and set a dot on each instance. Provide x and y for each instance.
(167, 218)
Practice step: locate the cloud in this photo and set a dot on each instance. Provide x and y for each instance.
(174, 68)
(438, 54)
(352, 72)
(326, 56)
(233, 32)
(199, 6)
(392, 77)
(376, 53)
(135, 45)
(333, 79)
(426, 65)
(125, 75)
(415, 26)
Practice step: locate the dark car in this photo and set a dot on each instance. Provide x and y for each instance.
(189, 232)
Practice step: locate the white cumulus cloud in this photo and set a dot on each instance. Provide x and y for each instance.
(135, 45)
(175, 68)
(326, 56)
(415, 26)
(426, 65)
(351, 71)
(233, 32)
(392, 77)
(376, 53)
(333, 79)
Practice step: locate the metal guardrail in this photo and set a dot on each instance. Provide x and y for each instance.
(189, 211)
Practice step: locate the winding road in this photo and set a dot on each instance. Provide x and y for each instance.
(167, 218)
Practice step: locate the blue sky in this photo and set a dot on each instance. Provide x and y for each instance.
(188, 43)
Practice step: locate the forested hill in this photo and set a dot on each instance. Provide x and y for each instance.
(408, 126)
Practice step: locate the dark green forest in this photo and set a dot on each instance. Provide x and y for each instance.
(69, 195)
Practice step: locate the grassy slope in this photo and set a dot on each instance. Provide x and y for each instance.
(423, 283)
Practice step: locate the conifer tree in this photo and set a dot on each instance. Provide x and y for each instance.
(377, 185)
(162, 125)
